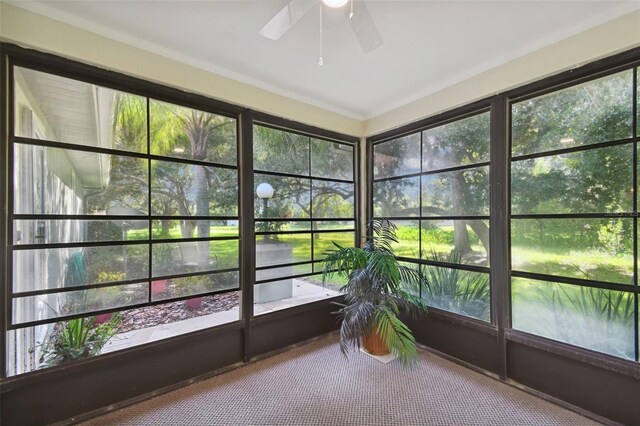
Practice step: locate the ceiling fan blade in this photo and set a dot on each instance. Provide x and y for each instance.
(363, 26)
(286, 18)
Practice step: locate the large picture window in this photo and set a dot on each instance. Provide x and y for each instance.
(304, 205)
(434, 185)
(123, 220)
(574, 215)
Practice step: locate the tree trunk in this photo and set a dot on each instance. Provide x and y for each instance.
(461, 243)
(201, 189)
(198, 128)
(187, 227)
(460, 234)
(482, 231)
(165, 227)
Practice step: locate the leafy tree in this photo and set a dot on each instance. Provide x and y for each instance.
(589, 181)
(589, 113)
(127, 180)
(177, 188)
(464, 192)
(193, 190)
(280, 151)
(592, 181)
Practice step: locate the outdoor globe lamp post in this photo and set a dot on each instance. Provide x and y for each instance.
(264, 191)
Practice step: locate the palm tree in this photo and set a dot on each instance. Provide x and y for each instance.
(378, 288)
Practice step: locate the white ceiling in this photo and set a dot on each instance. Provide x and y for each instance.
(428, 45)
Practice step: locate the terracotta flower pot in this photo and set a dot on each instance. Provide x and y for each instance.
(102, 318)
(158, 286)
(195, 303)
(373, 344)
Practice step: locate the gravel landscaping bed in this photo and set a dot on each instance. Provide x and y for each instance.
(137, 319)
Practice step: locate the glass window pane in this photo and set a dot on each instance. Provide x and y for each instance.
(286, 293)
(459, 143)
(593, 249)
(59, 109)
(456, 241)
(408, 234)
(333, 199)
(47, 306)
(324, 242)
(638, 103)
(454, 290)
(331, 160)
(280, 151)
(397, 157)
(283, 272)
(66, 267)
(593, 181)
(64, 181)
(179, 189)
(169, 229)
(593, 112)
(32, 348)
(55, 231)
(398, 197)
(290, 199)
(191, 286)
(458, 193)
(281, 226)
(281, 249)
(597, 319)
(413, 289)
(188, 133)
(193, 256)
(327, 224)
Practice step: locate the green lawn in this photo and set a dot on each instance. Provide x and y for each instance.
(597, 319)
(226, 252)
(548, 309)
(585, 264)
(551, 260)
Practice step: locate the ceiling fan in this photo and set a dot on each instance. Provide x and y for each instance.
(357, 14)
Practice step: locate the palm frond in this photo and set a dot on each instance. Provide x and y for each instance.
(358, 318)
(382, 233)
(385, 267)
(343, 261)
(396, 335)
(414, 305)
(378, 288)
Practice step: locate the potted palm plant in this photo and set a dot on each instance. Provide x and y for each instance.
(378, 289)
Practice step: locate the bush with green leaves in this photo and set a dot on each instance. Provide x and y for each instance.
(76, 339)
(199, 284)
(378, 288)
(595, 318)
(456, 290)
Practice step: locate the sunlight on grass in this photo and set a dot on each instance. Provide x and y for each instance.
(593, 265)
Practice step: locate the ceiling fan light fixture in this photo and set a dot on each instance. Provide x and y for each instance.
(335, 3)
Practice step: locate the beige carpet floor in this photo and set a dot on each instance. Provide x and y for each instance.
(315, 385)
